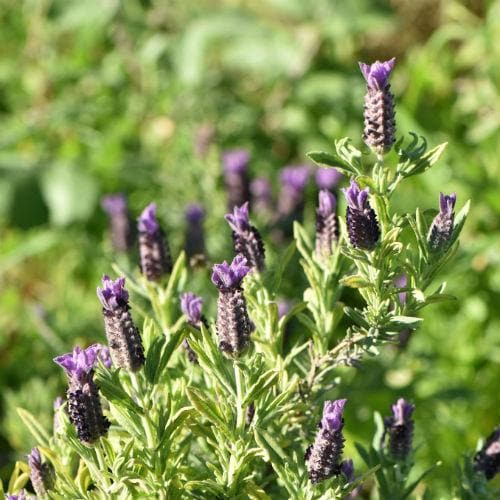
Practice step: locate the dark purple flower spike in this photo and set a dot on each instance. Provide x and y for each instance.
(191, 306)
(327, 178)
(195, 235)
(84, 407)
(327, 224)
(399, 429)
(123, 336)
(323, 457)
(441, 228)
(236, 179)
(487, 459)
(120, 226)
(233, 324)
(246, 238)
(380, 123)
(41, 474)
(155, 259)
(362, 224)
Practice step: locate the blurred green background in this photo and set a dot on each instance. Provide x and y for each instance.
(98, 96)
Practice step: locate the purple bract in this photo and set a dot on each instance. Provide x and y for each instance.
(327, 178)
(191, 306)
(377, 74)
(226, 276)
(402, 411)
(447, 203)
(114, 204)
(356, 198)
(79, 363)
(113, 294)
(295, 177)
(147, 221)
(194, 213)
(239, 220)
(327, 203)
(236, 160)
(332, 414)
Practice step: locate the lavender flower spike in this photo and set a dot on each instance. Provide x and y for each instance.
(84, 407)
(362, 224)
(487, 459)
(195, 236)
(233, 324)
(327, 224)
(323, 457)
(380, 124)
(191, 306)
(122, 234)
(155, 260)
(441, 228)
(236, 176)
(124, 339)
(246, 238)
(399, 428)
(41, 474)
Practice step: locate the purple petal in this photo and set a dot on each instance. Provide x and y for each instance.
(447, 203)
(236, 160)
(113, 293)
(147, 221)
(191, 306)
(79, 362)
(194, 213)
(327, 203)
(402, 411)
(239, 220)
(327, 178)
(295, 177)
(332, 414)
(114, 204)
(34, 458)
(355, 197)
(378, 73)
(225, 276)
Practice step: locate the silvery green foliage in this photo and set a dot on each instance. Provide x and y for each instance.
(238, 427)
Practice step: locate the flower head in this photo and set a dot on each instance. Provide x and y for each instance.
(239, 219)
(327, 178)
(147, 221)
(114, 204)
(402, 411)
(34, 458)
(356, 198)
(79, 363)
(226, 276)
(447, 203)
(327, 203)
(377, 74)
(194, 213)
(191, 306)
(261, 188)
(295, 177)
(441, 229)
(236, 160)
(347, 468)
(113, 293)
(332, 415)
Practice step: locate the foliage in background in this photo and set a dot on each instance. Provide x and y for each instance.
(98, 97)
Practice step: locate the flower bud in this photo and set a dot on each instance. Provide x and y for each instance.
(84, 406)
(380, 124)
(442, 226)
(123, 336)
(487, 459)
(399, 429)
(233, 324)
(236, 179)
(191, 306)
(362, 224)
(41, 474)
(327, 224)
(246, 238)
(120, 226)
(323, 457)
(155, 260)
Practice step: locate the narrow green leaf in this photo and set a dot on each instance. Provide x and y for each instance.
(34, 426)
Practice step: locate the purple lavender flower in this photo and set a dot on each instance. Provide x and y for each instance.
(84, 407)
(41, 474)
(380, 123)
(327, 224)
(233, 324)
(327, 178)
(362, 225)
(21, 495)
(246, 238)
(441, 228)
(487, 459)
(105, 355)
(195, 236)
(236, 176)
(155, 260)
(120, 226)
(323, 457)
(191, 306)
(123, 336)
(293, 182)
(262, 195)
(399, 429)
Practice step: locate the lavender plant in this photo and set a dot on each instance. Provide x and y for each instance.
(234, 418)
